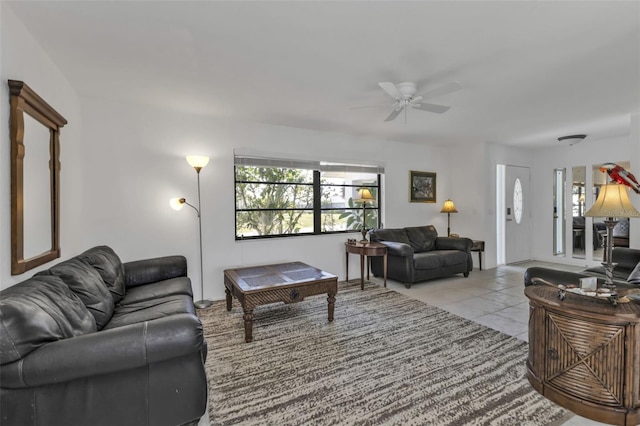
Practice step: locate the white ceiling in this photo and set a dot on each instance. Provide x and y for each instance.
(530, 71)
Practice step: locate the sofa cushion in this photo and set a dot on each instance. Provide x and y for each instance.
(35, 312)
(427, 260)
(634, 276)
(110, 268)
(397, 235)
(87, 283)
(171, 287)
(452, 257)
(422, 238)
(148, 310)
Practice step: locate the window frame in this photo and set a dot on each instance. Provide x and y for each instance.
(316, 209)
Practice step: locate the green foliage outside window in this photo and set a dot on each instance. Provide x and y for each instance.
(280, 201)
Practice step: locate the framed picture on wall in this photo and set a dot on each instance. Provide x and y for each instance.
(422, 187)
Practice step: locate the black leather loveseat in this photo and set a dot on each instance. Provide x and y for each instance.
(93, 341)
(626, 273)
(418, 254)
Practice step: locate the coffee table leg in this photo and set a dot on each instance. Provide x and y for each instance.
(228, 294)
(248, 325)
(331, 299)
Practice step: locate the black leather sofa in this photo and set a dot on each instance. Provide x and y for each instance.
(417, 254)
(626, 273)
(93, 341)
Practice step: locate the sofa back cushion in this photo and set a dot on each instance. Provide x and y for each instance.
(110, 268)
(35, 312)
(422, 238)
(397, 235)
(86, 282)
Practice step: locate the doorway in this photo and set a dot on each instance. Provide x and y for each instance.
(514, 217)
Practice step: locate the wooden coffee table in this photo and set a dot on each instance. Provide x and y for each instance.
(284, 282)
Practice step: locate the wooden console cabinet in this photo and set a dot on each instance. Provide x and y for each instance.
(584, 354)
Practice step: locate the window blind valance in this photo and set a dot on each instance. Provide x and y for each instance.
(325, 166)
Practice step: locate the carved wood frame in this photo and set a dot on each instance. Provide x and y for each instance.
(24, 100)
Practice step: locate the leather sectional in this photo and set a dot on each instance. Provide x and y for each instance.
(417, 254)
(93, 341)
(626, 273)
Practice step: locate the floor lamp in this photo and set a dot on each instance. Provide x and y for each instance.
(197, 162)
(448, 208)
(612, 203)
(365, 197)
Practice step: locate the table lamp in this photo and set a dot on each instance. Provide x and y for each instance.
(612, 203)
(365, 197)
(448, 208)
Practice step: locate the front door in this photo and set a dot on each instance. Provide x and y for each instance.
(517, 214)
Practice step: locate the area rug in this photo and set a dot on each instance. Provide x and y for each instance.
(385, 359)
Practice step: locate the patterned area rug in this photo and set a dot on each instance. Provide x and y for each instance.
(386, 359)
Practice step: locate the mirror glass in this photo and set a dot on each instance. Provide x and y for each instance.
(620, 232)
(578, 199)
(558, 212)
(36, 189)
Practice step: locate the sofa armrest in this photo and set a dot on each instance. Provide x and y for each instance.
(397, 249)
(148, 271)
(555, 276)
(106, 352)
(449, 243)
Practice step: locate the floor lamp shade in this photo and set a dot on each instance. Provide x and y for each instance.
(197, 162)
(612, 203)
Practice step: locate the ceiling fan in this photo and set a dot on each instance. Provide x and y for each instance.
(405, 96)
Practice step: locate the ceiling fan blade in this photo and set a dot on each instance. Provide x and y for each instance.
(371, 106)
(442, 90)
(394, 114)
(391, 89)
(431, 107)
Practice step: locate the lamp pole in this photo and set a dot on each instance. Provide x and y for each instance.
(203, 303)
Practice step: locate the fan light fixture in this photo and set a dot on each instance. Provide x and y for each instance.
(572, 139)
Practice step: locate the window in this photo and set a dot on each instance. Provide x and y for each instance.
(288, 197)
(517, 200)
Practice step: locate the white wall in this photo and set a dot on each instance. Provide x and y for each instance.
(589, 152)
(21, 58)
(135, 164)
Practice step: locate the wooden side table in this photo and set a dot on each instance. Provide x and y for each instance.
(478, 246)
(368, 250)
(584, 354)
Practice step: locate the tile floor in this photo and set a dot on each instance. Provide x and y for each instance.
(492, 297)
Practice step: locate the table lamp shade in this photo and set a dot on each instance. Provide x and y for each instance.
(449, 207)
(365, 196)
(613, 201)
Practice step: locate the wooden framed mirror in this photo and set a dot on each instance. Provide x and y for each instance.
(35, 179)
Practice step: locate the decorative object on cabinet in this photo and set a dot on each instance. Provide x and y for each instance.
(197, 162)
(35, 179)
(612, 203)
(422, 187)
